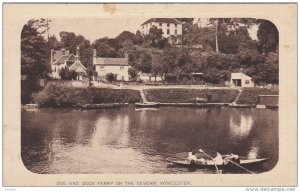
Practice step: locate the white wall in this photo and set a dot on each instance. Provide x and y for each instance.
(121, 73)
(55, 70)
(164, 28)
(244, 78)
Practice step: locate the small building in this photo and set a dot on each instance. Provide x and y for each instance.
(117, 66)
(241, 80)
(63, 58)
(171, 27)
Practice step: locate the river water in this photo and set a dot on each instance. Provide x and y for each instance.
(128, 140)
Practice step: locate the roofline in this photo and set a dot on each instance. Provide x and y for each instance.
(79, 63)
(146, 22)
(112, 64)
(55, 63)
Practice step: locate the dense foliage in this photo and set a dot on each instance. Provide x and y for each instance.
(67, 96)
(191, 95)
(195, 52)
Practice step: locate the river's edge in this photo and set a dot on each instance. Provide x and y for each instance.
(92, 98)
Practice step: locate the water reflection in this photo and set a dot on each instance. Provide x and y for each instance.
(240, 125)
(138, 141)
(253, 152)
(111, 131)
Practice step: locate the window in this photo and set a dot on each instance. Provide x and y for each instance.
(168, 31)
(121, 68)
(168, 24)
(246, 81)
(175, 31)
(160, 24)
(175, 25)
(102, 68)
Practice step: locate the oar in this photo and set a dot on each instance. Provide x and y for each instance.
(241, 166)
(212, 159)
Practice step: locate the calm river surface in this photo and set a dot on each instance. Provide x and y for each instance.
(129, 140)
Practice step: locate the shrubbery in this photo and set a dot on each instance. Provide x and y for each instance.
(190, 95)
(67, 96)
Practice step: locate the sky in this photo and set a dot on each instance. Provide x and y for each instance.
(93, 29)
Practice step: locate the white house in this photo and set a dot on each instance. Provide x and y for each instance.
(118, 66)
(63, 58)
(241, 80)
(170, 27)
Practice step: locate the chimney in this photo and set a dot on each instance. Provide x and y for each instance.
(94, 56)
(126, 55)
(52, 56)
(63, 51)
(77, 53)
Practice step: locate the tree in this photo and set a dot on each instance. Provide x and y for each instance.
(154, 35)
(268, 36)
(138, 39)
(70, 41)
(110, 77)
(106, 47)
(132, 73)
(34, 50)
(125, 36)
(66, 74)
(145, 62)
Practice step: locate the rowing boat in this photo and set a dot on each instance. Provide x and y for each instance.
(211, 163)
(147, 104)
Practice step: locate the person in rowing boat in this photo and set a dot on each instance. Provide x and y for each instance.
(231, 157)
(194, 160)
(192, 157)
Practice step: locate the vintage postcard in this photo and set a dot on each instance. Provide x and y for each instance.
(149, 95)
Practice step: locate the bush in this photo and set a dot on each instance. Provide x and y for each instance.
(191, 95)
(67, 96)
(110, 77)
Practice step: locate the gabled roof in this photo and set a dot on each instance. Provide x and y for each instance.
(77, 63)
(58, 54)
(239, 74)
(111, 61)
(62, 59)
(162, 20)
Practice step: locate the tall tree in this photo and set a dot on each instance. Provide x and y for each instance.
(154, 35)
(106, 47)
(34, 50)
(268, 36)
(70, 41)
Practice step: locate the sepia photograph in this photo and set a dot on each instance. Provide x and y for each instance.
(150, 94)
(177, 95)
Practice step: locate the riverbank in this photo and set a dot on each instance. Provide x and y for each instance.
(68, 96)
(250, 96)
(191, 95)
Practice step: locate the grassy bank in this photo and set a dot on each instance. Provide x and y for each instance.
(190, 95)
(67, 96)
(250, 95)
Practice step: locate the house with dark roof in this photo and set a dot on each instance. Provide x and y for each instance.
(117, 66)
(171, 27)
(62, 58)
